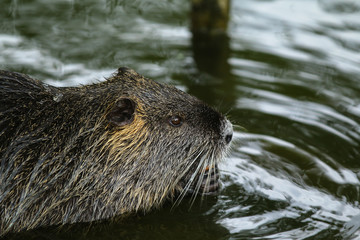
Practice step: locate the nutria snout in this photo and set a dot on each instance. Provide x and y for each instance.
(81, 154)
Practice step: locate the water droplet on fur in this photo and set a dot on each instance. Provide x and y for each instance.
(58, 97)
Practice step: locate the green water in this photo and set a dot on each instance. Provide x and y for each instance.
(287, 73)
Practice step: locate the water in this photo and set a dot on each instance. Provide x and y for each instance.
(288, 74)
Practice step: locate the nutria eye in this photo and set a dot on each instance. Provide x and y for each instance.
(175, 121)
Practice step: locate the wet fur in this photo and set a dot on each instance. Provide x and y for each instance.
(64, 158)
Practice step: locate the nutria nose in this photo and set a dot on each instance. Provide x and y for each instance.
(228, 131)
(228, 138)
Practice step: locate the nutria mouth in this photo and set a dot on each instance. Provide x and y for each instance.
(205, 182)
(208, 181)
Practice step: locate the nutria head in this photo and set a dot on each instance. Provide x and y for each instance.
(170, 140)
(104, 150)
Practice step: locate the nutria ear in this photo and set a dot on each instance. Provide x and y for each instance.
(122, 112)
(126, 71)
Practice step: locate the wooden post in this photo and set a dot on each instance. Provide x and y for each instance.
(210, 16)
(211, 50)
(210, 43)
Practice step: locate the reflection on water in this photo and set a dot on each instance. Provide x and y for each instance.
(289, 183)
(287, 72)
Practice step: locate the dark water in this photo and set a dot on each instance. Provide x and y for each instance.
(288, 74)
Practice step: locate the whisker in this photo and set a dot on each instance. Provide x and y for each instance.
(201, 167)
(228, 111)
(187, 186)
(192, 178)
(239, 128)
(212, 169)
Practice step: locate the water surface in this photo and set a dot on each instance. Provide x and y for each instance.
(287, 75)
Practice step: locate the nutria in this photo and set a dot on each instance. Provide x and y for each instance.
(82, 154)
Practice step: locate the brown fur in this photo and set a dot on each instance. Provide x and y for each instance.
(95, 152)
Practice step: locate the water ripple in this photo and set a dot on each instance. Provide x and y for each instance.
(250, 170)
(305, 112)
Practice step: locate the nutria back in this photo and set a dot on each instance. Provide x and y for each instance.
(82, 154)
